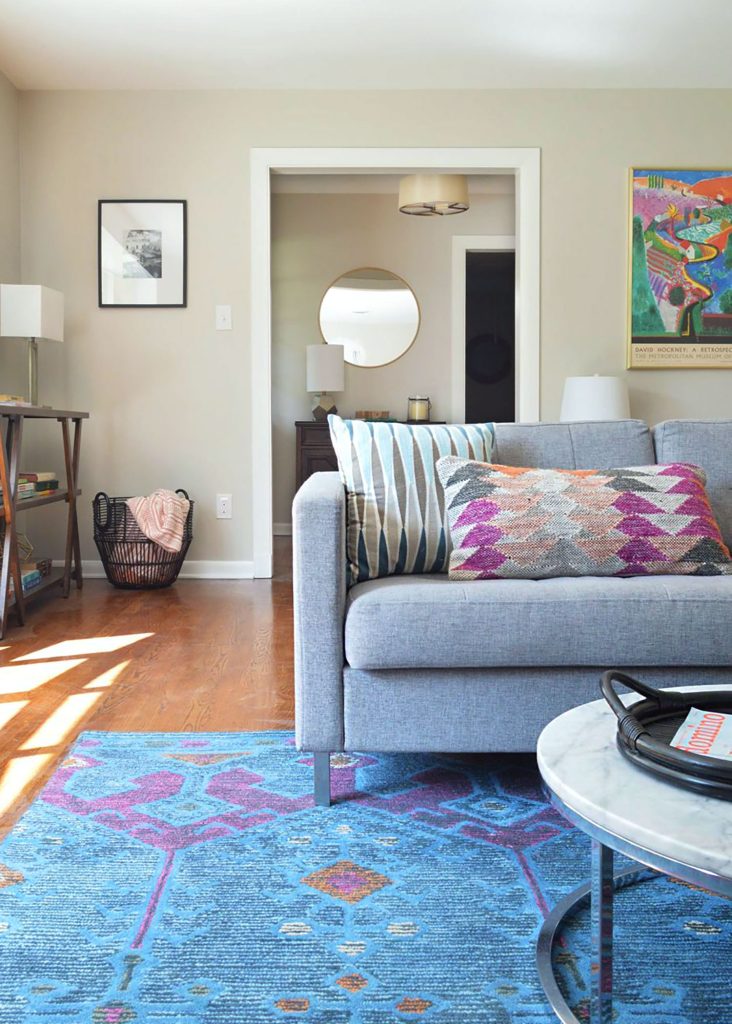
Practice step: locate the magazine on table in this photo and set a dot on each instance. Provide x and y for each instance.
(705, 732)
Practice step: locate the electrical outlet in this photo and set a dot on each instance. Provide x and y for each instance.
(223, 506)
(223, 318)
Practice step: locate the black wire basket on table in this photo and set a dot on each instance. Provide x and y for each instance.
(131, 560)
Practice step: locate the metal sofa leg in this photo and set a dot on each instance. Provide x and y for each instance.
(321, 766)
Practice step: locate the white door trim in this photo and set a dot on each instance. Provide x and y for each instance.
(525, 164)
(462, 244)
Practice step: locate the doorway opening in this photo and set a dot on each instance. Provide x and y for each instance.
(336, 240)
(522, 163)
(490, 336)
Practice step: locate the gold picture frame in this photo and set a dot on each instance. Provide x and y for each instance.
(679, 318)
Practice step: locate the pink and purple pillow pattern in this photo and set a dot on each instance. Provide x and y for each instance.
(511, 522)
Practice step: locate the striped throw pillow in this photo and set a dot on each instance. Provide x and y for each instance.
(395, 502)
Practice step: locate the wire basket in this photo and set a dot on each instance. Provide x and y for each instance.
(131, 560)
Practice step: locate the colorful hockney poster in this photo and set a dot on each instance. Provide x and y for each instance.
(680, 303)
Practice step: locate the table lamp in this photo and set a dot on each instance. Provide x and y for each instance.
(325, 374)
(31, 311)
(594, 398)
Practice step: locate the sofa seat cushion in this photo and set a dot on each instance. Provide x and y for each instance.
(435, 622)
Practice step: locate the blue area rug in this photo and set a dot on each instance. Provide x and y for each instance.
(188, 878)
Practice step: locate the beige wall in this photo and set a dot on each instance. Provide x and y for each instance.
(9, 183)
(170, 397)
(12, 362)
(317, 237)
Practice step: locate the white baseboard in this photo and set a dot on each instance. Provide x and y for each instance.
(192, 570)
(282, 529)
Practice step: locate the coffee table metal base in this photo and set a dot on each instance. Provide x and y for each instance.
(622, 809)
(601, 888)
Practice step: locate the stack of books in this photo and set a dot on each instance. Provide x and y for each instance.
(29, 578)
(31, 485)
(40, 565)
(32, 573)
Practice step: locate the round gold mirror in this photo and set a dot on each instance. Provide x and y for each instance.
(373, 313)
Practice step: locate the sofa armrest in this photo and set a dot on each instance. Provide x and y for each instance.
(319, 586)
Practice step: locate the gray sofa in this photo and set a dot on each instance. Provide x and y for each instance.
(425, 663)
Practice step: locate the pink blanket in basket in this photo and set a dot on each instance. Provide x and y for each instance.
(161, 517)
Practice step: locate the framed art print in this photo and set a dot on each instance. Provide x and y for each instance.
(680, 269)
(142, 252)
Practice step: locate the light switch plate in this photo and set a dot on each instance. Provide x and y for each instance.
(223, 318)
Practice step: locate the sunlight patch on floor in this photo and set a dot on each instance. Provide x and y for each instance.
(60, 722)
(18, 775)
(85, 646)
(23, 678)
(108, 678)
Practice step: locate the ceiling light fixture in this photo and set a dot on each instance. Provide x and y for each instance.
(433, 195)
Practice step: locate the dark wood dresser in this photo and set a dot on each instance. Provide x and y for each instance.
(315, 453)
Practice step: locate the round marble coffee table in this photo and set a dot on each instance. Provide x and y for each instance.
(623, 809)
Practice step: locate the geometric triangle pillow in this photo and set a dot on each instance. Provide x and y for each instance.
(395, 509)
(509, 522)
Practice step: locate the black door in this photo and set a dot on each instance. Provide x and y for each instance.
(490, 364)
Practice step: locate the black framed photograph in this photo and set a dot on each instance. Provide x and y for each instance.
(142, 252)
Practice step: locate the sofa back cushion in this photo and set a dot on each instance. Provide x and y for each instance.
(395, 508)
(599, 445)
(508, 522)
(706, 443)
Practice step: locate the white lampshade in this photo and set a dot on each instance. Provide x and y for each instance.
(31, 311)
(594, 398)
(429, 195)
(325, 368)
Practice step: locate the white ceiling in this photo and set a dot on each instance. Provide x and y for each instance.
(365, 44)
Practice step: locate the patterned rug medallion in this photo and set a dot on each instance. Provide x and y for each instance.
(188, 878)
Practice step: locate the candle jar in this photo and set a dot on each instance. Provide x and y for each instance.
(418, 410)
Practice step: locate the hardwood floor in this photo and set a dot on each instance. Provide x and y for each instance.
(202, 655)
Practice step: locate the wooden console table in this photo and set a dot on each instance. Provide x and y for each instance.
(13, 418)
(314, 452)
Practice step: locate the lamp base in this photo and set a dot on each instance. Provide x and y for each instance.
(33, 371)
(323, 408)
